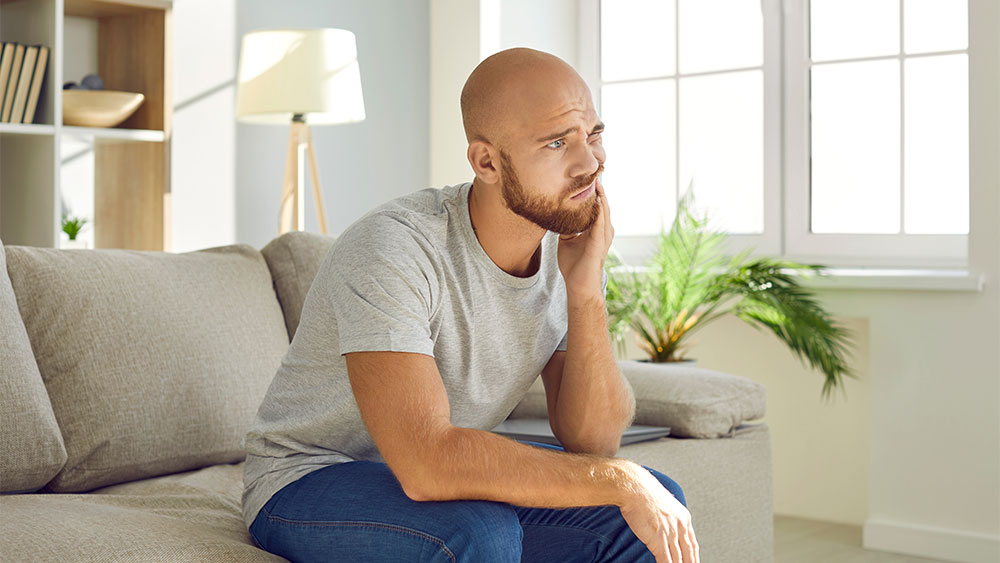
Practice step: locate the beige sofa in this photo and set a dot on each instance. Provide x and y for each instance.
(128, 380)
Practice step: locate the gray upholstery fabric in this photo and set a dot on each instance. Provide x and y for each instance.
(728, 488)
(693, 402)
(154, 362)
(193, 516)
(294, 259)
(31, 446)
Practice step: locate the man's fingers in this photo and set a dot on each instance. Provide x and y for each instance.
(694, 544)
(687, 546)
(675, 548)
(609, 230)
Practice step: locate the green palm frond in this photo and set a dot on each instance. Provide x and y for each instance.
(689, 282)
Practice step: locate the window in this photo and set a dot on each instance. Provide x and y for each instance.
(833, 131)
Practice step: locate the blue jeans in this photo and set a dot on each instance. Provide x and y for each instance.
(357, 511)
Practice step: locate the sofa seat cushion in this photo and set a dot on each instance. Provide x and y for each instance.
(693, 402)
(31, 446)
(154, 362)
(294, 259)
(192, 516)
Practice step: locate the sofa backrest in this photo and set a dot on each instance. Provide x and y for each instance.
(31, 447)
(294, 259)
(153, 362)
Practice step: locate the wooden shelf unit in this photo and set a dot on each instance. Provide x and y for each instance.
(131, 162)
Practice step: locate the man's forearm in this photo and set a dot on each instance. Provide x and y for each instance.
(594, 404)
(465, 463)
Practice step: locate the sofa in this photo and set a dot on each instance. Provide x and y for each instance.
(128, 380)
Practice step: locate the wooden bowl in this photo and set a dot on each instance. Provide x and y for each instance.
(99, 108)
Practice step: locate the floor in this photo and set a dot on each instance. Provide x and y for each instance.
(798, 540)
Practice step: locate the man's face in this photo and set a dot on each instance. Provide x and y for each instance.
(556, 145)
(559, 213)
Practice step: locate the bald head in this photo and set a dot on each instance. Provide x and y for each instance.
(504, 90)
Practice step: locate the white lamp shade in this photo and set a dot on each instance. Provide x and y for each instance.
(309, 71)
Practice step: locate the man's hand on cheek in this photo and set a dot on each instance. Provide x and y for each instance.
(581, 257)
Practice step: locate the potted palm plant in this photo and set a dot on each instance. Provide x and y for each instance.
(688, 283)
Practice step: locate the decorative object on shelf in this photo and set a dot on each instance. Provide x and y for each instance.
(295, 75)
(89, 82)
(688, 280)
(98, 108)
(72, 227)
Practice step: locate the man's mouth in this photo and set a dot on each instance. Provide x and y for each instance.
(586, 191)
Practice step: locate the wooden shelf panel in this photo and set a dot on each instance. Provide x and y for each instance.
(106, 8)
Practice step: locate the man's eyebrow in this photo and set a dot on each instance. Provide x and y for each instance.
(597, 129)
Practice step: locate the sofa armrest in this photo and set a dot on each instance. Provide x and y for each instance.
(693, 402)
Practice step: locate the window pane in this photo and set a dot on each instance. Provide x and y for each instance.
(843, 29)
(937, 145)
(722, 148)
(641, 169)
(637, 39)
(720, 34)
(855, 147)
(935, 25)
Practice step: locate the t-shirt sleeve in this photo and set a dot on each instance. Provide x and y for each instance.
(382, 276)
(562, 344)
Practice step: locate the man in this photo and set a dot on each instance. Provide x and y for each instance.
(427, 322)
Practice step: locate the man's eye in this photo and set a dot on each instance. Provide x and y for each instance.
(558, 144)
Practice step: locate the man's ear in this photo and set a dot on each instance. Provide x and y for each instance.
(482, 156)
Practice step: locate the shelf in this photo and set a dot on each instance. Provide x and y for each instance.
(118, 176)
(112, 133)
(84, 133)
(27, 128)
(104, 8)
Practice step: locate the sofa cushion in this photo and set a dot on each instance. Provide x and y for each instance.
(192, 516)
(294, 259)
(693, 402)
(154, 362)
(31, 447)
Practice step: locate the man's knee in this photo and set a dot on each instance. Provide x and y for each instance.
(668, 484)
(482, 531)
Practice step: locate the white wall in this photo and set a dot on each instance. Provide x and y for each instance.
(463, 33)
(203, 145)
(362, 164)
(226, 176)
(913, 453)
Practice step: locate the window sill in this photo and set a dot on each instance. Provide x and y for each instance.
(893, 279)
(897, 279)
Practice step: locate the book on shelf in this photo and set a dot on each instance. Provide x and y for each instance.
(38, 76)
(6, 61)
(24, 83)
(22, 75)
(15, 71)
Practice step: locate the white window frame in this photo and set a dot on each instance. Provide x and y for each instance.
(786, 159)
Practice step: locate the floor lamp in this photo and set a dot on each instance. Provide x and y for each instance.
(299, 77)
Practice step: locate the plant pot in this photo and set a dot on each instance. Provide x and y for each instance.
(73, 244)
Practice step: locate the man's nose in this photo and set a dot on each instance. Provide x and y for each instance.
(586, 159)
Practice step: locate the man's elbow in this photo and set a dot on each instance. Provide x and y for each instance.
(604, 447)
(423, 474)
(415, 492)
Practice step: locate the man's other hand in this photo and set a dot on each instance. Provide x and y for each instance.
(659, 520)
(582, 256)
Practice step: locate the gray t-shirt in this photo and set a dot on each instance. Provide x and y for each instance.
(409, 276)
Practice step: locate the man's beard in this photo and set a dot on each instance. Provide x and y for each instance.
(549, 215)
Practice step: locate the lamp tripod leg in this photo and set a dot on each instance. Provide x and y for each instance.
(288, 219)
(313, 171)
